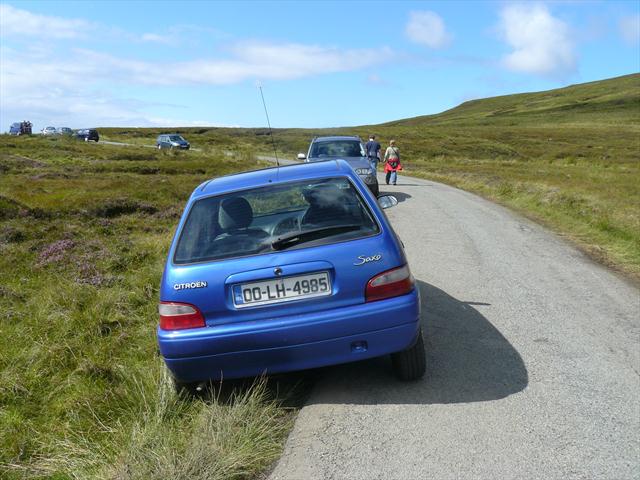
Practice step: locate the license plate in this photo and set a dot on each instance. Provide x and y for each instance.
(282, 289)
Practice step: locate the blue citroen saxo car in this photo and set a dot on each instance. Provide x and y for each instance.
(283, 269)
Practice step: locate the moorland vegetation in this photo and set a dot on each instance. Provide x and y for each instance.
(84, 231)
(568, 158)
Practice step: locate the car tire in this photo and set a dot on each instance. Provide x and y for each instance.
(159, 147)
(185, 389)
(86, 139)
(410, 364)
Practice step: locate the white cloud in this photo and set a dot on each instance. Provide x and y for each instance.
(250, 60)
(156, 38)
(62, 88)
(541, 43)
(180, 34)
(50, 81)
(17, 22)
(427, 28)
(630, 29)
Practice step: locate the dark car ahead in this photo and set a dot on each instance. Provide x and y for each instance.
(20, 128)
(348, 148)
(87, 134)
(172, 140)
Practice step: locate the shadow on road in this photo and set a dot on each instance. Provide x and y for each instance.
(468, 360)
(402, 184)
(401, 196)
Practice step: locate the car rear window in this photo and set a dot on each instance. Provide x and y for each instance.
(274, 218)
(337, 148)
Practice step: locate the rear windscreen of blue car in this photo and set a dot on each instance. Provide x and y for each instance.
(274, 218)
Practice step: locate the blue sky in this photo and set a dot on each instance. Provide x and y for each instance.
(321, 64)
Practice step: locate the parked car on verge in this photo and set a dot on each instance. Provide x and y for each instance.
(347, 148)
(48, 131)
(64, 131)
(20, 128)
(286, 268)
(87, 134)
(172, 141)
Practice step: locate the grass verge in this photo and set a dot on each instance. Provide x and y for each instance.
(84, 231)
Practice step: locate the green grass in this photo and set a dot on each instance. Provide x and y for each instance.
(83, 236)
(84, 231)
(569, 158)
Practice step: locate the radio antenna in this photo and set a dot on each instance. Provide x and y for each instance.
(273, 141)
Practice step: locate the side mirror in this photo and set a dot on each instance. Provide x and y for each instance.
(302, 156)
(387, 201)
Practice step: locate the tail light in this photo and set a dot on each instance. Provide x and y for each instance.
(179, 316)
(391, 283)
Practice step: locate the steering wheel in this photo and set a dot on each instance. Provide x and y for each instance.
(287, 225)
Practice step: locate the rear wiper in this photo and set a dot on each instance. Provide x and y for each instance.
(310, 235)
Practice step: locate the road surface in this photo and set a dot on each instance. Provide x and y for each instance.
(533, 358)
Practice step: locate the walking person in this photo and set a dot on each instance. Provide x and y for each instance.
(392, 162)
(372, 148)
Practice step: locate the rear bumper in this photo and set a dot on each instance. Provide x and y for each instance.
(315, 340)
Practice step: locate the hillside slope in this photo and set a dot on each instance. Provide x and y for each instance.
(569, 157)
(611, 101)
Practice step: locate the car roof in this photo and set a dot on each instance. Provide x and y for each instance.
(336, 137)
(273, 175)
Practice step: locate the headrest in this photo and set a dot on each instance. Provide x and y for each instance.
(235, 213)
(327, 195)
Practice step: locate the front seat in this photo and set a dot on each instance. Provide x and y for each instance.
(234, 217)
(327, 206)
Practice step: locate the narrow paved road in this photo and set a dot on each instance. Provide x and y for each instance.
(533, 361)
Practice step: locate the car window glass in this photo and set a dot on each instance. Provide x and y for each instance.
(250, 222)
(337, 148)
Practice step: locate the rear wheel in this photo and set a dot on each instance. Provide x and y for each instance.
(159, 147)
(187, 389)
(410, 364)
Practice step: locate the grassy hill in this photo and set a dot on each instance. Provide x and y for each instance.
(569, 157)
(84, 231)
(590, 120)
(606, 102)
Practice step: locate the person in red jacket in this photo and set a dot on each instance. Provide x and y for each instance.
(392, 162)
